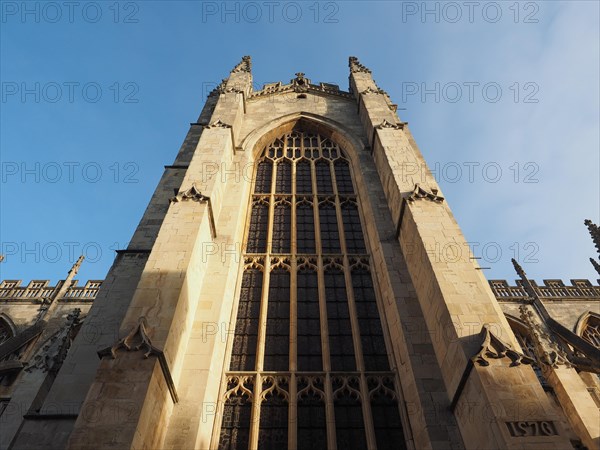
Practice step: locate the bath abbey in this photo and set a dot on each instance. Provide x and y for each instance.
(279, 292)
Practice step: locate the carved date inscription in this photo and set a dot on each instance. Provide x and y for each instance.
(531, 428)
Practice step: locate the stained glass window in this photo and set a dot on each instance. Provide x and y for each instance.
(309, 365)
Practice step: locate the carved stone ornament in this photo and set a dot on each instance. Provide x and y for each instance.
(217, 124)
(370, 90)
(244, 66)
(545, 348)
(493, 347)
(195, 195)
(138, 339)
(300, 83)
(419, 193)
(386, 124)
(596, 265)
(191, 194)
(594, 233)
(356, 66)
(51, 356)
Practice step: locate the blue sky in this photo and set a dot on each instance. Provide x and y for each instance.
(503, 101)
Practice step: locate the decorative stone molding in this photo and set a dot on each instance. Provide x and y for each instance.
(245, 65)
(223, 89)
(275, 386)
(386, 124)
(493, 347)
(370, 90)
(422, 193)
(568, 348)
(194, 194)
(300, 87)
(596, 265)
(356, 66)
(545, 348)
(50, 357)
(138, 339)
(581, 290)
(594, 233)
(217, 124)
(14, 343)
(300, 83)
(191, 194)
(137, 333)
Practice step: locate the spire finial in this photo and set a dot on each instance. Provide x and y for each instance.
(594, 232)
(519, 269)
(356, 66)
(245, 65)
(595, 264)
(76, 266)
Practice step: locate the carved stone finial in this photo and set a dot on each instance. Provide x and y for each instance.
(300, 83)
(518, 268)
(217, 124)
(137, 339)
(356, 66)
(594, 232)
(386, 124)
(220, 89)
(245, 65)
(51, 356)
(494, 347)
(192, 193)
(419, 193)
(595, 264)
(195, 195)
(77, 265)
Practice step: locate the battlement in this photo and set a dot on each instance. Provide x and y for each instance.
(37, 291)
(551, 290)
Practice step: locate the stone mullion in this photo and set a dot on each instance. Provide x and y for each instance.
(272, 199)
(255, 416)
(292, 413)
(293, 353)
(262, 322)
(260, 353)
(329, 411)
(360, 365)
(215, 436)
(293, 232)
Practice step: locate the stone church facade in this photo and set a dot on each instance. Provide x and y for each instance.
(282, 290)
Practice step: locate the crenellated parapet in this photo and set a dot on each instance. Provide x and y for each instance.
(300, 85)
(39, 291)
(551, 290)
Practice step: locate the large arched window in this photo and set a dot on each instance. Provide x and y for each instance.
(523, 335)
(588, 327)
(309, 367)
(6, 331)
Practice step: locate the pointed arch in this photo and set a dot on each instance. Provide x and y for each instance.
(8, 328)
(588, 327)
(317, 318)
(255, 142)
(524, 337)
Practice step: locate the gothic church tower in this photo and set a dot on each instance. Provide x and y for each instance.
(280, 292)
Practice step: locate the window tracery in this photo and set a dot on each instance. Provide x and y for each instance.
(309, 367)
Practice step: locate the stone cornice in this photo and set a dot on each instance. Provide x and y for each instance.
(318, 89)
